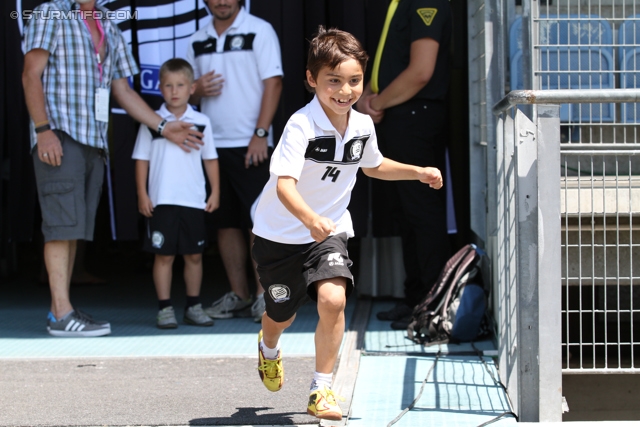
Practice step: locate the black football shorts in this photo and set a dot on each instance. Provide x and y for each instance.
(288, 273)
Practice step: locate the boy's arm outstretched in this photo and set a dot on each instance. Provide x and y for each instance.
(390, 170)
(320, 227)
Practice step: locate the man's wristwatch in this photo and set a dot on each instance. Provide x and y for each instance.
(261, 133)
(161, 126)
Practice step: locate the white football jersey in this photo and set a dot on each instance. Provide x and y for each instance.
(325, 166)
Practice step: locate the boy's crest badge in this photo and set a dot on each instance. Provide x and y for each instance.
(157, 239)
(237, 42)
(427, 14)
(279, 293)
(356, 150)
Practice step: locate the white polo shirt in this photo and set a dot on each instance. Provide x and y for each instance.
(175, 176)
(247, 53)
(325, 165)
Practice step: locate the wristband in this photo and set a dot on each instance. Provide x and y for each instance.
(44, 122)
(161, 126)
(43, 128)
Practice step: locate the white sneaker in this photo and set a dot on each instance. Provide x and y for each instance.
(166, 318)
(228, 306)
(258, 308)
(195, 315)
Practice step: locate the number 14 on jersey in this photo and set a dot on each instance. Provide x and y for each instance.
(331, 172)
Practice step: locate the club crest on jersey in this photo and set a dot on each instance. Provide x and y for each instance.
(356, 150)
(279, 293)
(335, 259)
(157, 239)
(237, 42)
(427, 14)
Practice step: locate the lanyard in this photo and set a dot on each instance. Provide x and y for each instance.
(383, 39)
(96, 49)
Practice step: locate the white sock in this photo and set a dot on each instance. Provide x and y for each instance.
(320, 380)
(269, 353)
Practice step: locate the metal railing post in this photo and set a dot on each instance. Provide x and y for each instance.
(537, 193)
(549, 263)
(526, 194)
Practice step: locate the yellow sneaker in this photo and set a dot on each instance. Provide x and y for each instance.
(323, 405)
(271, 371)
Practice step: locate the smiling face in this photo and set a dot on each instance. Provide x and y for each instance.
(176, 88)
(338, 89)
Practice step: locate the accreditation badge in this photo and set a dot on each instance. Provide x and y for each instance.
(102, 104)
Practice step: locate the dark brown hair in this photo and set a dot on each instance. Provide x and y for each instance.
(329, 48)
(176, 65)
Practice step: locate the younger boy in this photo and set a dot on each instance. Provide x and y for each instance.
(176, 200)
(301, 221)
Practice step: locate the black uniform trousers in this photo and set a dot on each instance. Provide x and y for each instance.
(414, 133)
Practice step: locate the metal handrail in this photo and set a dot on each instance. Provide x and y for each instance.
(565, 96)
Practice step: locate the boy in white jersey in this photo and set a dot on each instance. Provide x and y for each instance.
(301, 221)
(176, 201)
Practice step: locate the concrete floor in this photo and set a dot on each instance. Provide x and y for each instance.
(590, 397)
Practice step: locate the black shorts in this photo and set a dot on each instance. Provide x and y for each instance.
(175, 230)
(239, 188)
(288, 272)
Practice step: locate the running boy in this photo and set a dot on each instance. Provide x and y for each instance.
(301, 221)
(176, 201)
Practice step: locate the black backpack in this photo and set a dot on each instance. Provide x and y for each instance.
(454, 310)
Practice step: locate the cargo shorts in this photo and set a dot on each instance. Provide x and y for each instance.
(69, 193)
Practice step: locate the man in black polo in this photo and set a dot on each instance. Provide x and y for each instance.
(406, 98)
